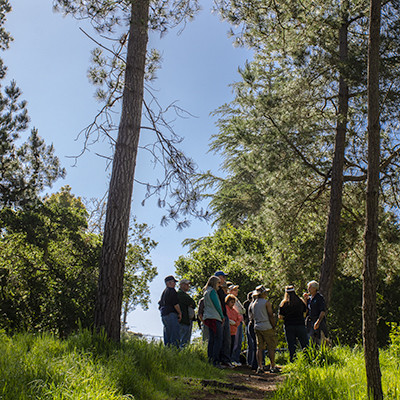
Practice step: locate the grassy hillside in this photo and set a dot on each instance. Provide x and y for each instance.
(89, 367)
(339, 373)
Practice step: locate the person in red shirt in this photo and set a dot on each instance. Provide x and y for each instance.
(234, 317)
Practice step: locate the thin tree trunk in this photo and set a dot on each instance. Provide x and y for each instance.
(110, 289)
(371, 352)
(331, 245)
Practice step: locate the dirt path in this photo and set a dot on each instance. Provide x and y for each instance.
(243, 384)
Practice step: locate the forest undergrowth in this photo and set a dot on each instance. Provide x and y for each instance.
(89, 366)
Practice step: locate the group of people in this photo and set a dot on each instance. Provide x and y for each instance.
(223, 318)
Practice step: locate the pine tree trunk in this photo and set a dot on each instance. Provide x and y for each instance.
(371, 352)
(331, 245)
(110, 287)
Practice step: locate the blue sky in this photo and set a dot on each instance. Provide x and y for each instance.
(49, 59)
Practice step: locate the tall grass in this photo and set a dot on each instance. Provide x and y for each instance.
(337, 373)
(87, 366)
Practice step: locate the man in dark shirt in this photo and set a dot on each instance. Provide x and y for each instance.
(170, 312)
(187, 305)
(316, 311)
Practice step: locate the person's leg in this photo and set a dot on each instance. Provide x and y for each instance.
(166, 329)
(260, 350)
(290, 334)
(205, 332)
(225, 356)
(218, 337)
(184, 334)
(250, 347)
(254, 358)
(232, 344)
(301, 333)
(174, 329)
(270, 339)
(210, 348)
(237, 347)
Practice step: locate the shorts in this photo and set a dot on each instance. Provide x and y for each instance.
(266, 340)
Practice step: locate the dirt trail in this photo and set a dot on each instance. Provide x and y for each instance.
(243, 384)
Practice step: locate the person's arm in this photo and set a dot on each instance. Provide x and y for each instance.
(239, 307)
(178, 310)
(217, 304)
(238, 318)
(201, 309)
(319, 320)
(321, 305)
(282, 310)
(270, 313)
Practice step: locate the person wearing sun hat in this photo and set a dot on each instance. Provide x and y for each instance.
(171, 313)
(264, 325)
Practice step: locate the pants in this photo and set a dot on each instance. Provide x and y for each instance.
(185, 332)
(237, 345)
(251, 346)
(171, 329)
(225, 355)
(293, 332)
(215, 343)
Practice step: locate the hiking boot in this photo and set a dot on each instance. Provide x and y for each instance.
(228, 365)
(260, 371)
(236, 364)
(275, 370)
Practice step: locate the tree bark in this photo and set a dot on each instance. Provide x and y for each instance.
(110, 285)
(331, 245)
(371, 352)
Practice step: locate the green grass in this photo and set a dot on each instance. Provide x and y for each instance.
(337, 373)
(89, 367)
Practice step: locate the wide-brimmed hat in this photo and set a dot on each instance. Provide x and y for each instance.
(260, 290)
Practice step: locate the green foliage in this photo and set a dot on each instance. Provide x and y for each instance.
(342, 377)
(238, 252)
(319, 356)
(139, 269)
(395, 338)
(277, 139)
(49, 266)
(91, 367)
